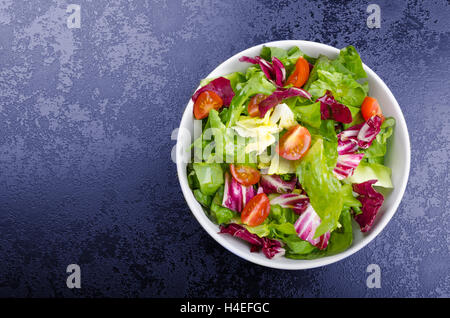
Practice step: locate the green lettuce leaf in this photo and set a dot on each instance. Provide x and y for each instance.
(287, 57)
(209, 176)
(228, 146)
(323, 189)
(351, 60)
(377, 150)
(349, 201)
(371, 171)
(257, 83)
(204, 199)
(345, 88)
(220, 214)
(340, 240)
(308, 114)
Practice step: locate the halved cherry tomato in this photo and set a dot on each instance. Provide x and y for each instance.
(370, 107)
(205, 102)
(256, 210)
(253, 106)
(294, 143)
(300, 75)
(245, 175)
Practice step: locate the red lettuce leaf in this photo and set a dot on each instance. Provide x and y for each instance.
(241, 232)
(221, 86)
(274, 184)
(272, 248)
(278, 96)
(266, 67)
(279, 70)
(331, 109)
(346, 165)
(371, 201)
(269, 247)
(347, 146)
(369, 131)
(235, 195)
(297, 202)
(306, 226)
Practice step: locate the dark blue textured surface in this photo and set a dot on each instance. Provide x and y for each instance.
(86, 117)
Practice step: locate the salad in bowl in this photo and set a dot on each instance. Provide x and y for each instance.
(288, 154)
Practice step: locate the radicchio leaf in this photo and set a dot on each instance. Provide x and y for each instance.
(280, 71)
(221, 86)
(306, 226)
(272, 248)
(347, 146)
(331, 109)
(269, 247)
(359, 136)
(369, 131)
(241, 232)
(235, 195)
(266, 67)
(274, 184)
(346, 165)
(278, 96)
(297, 202)
(371, 201)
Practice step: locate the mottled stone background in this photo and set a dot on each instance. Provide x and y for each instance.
(86, 117)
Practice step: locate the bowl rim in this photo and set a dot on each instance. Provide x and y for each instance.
(299, 264)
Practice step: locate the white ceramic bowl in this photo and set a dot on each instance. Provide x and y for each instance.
(397, 158)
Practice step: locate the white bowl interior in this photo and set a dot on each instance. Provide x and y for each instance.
(397, 158)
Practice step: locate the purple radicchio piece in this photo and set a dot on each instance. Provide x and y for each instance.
(278, 96)
(331, 109)
(274, 184)
(270, 248)
(235, 195)
(371, 201)
(297, 202)
(221, 86)
(346, 165)
(306, 226)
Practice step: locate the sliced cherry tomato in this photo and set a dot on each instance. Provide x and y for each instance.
(256, 210)
(370, 107)
(300, 75)
(294, 143)
(253, 106)
(205, 102)
(245, 175)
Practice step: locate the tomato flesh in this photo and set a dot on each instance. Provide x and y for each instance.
(205, 102)
(370, 107)
(256, 210)
(253, 105)
(300, 75)
(245, 175)
(294, 143)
